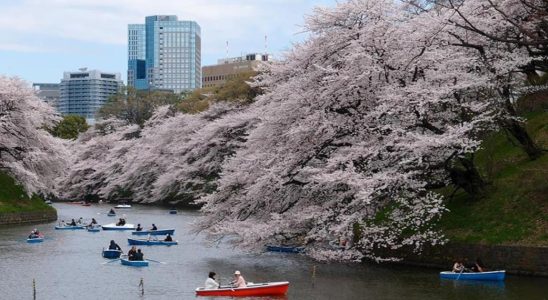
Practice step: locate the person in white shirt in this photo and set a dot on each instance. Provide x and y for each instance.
(210, 282)
(239, 281)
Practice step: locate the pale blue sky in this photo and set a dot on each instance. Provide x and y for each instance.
(39, 39)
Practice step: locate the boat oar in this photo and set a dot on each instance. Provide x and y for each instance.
(108, 262)
(460, 273)
(152, 260)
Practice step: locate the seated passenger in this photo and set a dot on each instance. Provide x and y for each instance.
(139, 228)
(138, 255)
(114, 246)
(154, 227)
(210, 282)
(458, 266)
(168, 238)
(72, 223)
(239, 281)
(112, 211)
(479, 266)
(131, 253)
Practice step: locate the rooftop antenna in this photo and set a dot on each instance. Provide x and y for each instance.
(265, 47)
(226, 52)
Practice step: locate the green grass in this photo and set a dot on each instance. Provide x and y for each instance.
(13, 197)
(515, 208)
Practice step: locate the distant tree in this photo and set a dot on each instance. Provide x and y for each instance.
(136, 106)
(70, 127)
(237, 89)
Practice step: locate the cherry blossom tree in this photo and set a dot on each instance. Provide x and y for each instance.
(27, 151)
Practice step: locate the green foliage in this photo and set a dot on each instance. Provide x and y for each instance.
(13, 197)
(135, 106)
(515, 208)
(70, 127)
(235, 89)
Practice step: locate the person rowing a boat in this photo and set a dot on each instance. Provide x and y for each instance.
(154, 227)
(458, 266)
(139, 228)
(112, 212)
(72, 223)
(168, 238)
(114, 246)
(210, 282)
(121, 222)
(239, 281)
(131, 253)
(34, 234)
(138, 255)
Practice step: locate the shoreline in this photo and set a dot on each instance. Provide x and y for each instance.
(515, 259)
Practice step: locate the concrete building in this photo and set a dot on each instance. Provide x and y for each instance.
(49, 92)
(84, 92)
(164, 53)
(217, 75)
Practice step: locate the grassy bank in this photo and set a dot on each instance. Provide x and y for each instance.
(13, 197)
(515, 209)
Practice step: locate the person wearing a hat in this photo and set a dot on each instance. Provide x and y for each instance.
(239, 281)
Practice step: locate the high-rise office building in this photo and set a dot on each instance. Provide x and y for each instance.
(136, 71)
(172, 54)
(84, 92)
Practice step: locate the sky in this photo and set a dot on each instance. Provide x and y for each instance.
(40, 39)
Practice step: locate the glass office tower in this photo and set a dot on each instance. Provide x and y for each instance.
(84, 92)
(136, 71)
(172, 55)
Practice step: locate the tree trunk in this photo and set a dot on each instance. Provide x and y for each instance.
(517, 130)
(465, 175)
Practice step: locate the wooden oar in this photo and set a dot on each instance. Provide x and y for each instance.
(460, 273)
(108, 262)
(160, 262)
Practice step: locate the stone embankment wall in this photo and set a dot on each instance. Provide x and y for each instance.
(520, 260)
(28, 217)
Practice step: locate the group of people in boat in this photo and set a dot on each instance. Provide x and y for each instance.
(135, 254)
(132, 254)
(460, 267)
(34, 234)
(139, 228)
(121, 222)
(238, 282)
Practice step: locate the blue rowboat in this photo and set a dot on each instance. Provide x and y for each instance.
(111, 214)
(134, 263)
(70, 227)
(155, 232)
(94, 229)
(112, 254)
(113, 226)
(493, 275)
(286, 249)
(151, 242)
(35, 240)
(173, 212)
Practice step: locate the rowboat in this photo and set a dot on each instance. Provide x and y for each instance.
(155, 232)
(492, 275)
(122, 206)
(286, 249)
(111, 253)
(35, 240)
(113, 226)
(96, 228)
(111, 214)
(134, 263)
(255, 289)
(68, 227)
(150, 242)
(172, 211)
